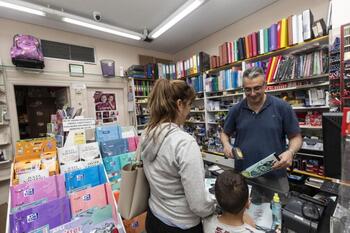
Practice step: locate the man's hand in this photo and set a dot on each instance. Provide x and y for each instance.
(286, 160)
(228, 151)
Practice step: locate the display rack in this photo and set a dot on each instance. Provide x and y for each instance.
(345, 65)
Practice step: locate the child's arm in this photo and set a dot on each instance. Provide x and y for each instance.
(248, 220)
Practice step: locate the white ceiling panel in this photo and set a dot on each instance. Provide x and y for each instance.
(136, 15)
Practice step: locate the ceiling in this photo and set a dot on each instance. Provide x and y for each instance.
(136, 15)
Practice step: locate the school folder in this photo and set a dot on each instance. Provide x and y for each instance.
(235, 44)
(257, 37)
(266, 40)
(246, 42)
(268, 69)
(284, 33)
(261, 41)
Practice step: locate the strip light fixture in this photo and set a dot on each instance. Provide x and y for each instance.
(174, 18)
(101, 28)
(22, 8)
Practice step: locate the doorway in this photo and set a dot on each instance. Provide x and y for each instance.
(35, 105)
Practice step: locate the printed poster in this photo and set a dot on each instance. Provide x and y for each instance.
(105, 107)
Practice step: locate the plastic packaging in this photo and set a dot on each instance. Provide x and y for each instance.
(276, 212)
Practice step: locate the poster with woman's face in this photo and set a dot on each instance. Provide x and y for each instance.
(105, 107)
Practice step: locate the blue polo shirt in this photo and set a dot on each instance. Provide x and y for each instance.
(261, 134)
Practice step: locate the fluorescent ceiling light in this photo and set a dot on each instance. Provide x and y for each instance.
(100, 28)
(21, 8)
(174, 18)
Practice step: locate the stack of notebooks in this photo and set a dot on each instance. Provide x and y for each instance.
(136, 71)
(286, 32)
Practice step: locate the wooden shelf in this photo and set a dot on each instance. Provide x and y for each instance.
(315, 77)
(298, 87)
(309, 174)
(271, 54)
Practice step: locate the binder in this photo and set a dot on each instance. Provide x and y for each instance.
(261, 41)
(246, 43)
(290, 30)
(254, 45)
(300, 29)
(284, 33)
(308, 20)
(257, 37)
(279, 35)
(266, 40)
(273, 37)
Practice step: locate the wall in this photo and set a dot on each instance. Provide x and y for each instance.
(56, 73)
(260, 19)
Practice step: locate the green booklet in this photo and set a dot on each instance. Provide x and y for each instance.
(262, 167)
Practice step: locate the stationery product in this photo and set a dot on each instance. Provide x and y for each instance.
(98, 196)
(53, 214)
(68, 154)
(88, 177)
(92, 220)
(132, 143)
(112, 164)
(260, 168)
(33, 148)
(126, 158)
(90, 153)
(31, 176)
(108, 132)
(114, 147)
(49, 188)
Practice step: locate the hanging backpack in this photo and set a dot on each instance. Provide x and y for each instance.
(26, 52)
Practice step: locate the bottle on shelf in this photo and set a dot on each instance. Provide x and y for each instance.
(276, 212)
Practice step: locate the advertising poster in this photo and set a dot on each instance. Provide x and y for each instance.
(105, 107)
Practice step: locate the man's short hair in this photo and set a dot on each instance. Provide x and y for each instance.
(253, 72)
(231, 191)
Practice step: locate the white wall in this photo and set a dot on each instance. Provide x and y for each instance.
(260, 19)
(56, 73)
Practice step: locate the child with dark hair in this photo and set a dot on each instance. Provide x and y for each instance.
(232, 195)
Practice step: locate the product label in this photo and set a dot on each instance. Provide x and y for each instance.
(80, 177)
(28, 192)
(32, 217)
(86, 197)
(74, 230)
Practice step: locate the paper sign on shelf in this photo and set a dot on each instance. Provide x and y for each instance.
(78, 124)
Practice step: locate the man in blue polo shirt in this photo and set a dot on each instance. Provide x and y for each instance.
(260, 124)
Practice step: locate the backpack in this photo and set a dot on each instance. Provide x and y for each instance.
(26, 52)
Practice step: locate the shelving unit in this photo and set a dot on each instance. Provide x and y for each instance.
(5, 131)
(139, 89)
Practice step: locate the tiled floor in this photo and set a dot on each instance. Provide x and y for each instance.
(3, 211)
